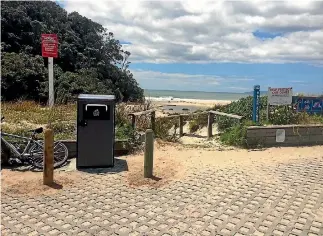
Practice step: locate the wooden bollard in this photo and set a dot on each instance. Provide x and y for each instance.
(209, 124)
(149, 154)
(153, 120)
(48, 172)
(181, 124)
(133, 121)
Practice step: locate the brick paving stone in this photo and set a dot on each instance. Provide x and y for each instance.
(209, 201)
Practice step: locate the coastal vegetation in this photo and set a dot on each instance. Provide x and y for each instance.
(234, 133)
(90, 59)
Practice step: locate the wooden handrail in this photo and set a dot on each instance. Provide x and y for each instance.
(211, 115)
(140, 113)
(226, 114)
(152, 113)
(211, 119)
(187, 114)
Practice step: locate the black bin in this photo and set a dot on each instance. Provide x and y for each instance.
(95, 131)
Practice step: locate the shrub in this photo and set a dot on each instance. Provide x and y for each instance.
(194, 126)
(242, 107)
(283, 116)
(163, 128)
(124, 131)
(122, 114)
(235, 136)
(198, 121)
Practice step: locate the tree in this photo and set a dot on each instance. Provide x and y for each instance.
(90, 59)
(22, 76)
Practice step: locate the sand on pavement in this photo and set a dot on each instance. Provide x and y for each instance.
(172, 161)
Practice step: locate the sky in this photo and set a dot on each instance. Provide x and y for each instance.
(225, 46)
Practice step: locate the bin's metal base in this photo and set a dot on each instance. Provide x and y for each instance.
(94, 167)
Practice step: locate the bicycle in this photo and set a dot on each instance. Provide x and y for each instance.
(33, 153)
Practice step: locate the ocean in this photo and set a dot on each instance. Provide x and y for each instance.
(177, 95)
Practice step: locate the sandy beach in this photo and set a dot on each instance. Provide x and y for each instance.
(177, 105)
(190, 102)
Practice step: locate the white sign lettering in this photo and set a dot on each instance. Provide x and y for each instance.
(280, 96)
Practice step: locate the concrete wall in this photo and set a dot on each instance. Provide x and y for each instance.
(120, 147)
(71, 147)
(295, 135)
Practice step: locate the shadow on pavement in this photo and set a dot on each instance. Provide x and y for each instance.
(120, 165)
(55, 185)
(196, 136)
(156, 178)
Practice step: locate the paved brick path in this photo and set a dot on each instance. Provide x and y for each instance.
(212, 201)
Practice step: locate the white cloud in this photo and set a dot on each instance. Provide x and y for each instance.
(245, 79)
(239, 88)
(149, 79)
(212, 31)
(175, 78)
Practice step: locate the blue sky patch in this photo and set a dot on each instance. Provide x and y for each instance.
(125, 42)
(234, 77)
(266, 35)
(61, 3)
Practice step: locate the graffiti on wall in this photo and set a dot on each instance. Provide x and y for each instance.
(308, 104)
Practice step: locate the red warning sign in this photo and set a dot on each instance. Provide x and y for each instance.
(49, 45)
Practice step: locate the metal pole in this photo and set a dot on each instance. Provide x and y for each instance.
(51, 81)
(255, 109)
(254, 105)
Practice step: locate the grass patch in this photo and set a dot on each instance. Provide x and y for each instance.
(235, 136)
(22, 116)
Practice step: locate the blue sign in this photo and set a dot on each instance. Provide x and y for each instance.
(256, 101)
(311, 105)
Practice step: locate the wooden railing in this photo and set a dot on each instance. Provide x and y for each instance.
(211, 116)
(211, 120)
(152, 113)
(181, 120)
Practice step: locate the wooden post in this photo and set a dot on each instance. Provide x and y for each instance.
(48, 172)
(268, 105)
(153, 118)
(133, 121)
(181, 124)
(149, 154)
(209, 124)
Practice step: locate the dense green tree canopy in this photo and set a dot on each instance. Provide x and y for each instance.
(90, 59)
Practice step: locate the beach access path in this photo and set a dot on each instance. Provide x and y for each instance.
(196, 191)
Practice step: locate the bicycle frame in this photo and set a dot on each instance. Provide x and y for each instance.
(13, 148)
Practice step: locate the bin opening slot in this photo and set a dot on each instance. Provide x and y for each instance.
(96, 112)
(96, 105)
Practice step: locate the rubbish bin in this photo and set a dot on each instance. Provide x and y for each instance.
(95, 130)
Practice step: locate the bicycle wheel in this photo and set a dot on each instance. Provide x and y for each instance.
(37, 154)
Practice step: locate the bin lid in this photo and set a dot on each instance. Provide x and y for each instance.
(96, 96)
